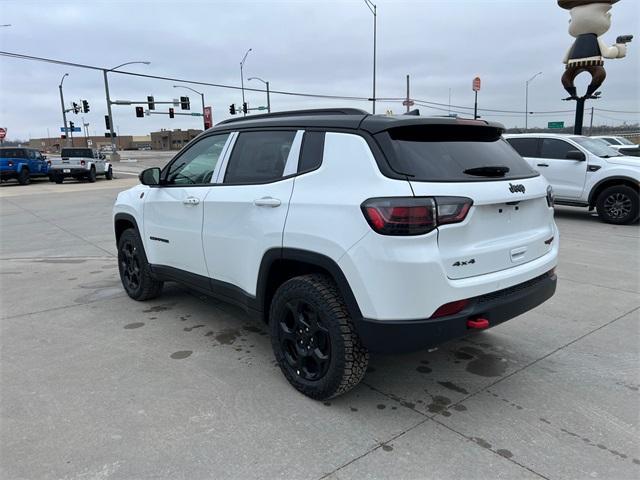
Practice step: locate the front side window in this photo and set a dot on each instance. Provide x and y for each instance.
(554, 148)
(259, 157)
(196, 165)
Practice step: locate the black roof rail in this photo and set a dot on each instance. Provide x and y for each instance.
(299, 113)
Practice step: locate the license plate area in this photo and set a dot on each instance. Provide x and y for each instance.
(66, 170)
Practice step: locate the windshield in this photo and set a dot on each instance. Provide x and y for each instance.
(445, 153)
(596, 146)
(624, 141)
(76, 152)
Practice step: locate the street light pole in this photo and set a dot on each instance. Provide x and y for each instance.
(374, 9)
(267, 85)
(526, 100)
(242, 78)
(201, 97)
(64, 114)
(114, 153)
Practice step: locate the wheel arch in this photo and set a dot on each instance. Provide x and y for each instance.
(122, 221)
(281, 264)
(610, 182)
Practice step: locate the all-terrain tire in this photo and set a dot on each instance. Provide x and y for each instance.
(618, 205)
(92, 175)
(58, 178)
(135, 273)
(23, 176)
(348, 358)
(109, 174)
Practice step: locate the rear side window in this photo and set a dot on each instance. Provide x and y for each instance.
(259, 157)
(12, 153)
(526, 147)
(448, 153)
(553, 148)
(311, 152)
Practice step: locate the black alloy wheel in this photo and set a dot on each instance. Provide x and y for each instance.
(304, 341)
(129, 260)
(618, 205)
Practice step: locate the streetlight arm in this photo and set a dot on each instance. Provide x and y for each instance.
(129, 63)
(188, 88)
(257, 78)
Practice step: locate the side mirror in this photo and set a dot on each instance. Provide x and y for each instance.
(575, 155)
(44, 157)
(150, 176)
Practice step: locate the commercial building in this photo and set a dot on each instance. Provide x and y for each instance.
(172, 139)
(54, 144)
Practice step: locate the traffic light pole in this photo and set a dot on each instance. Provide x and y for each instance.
(64, 113)
(114, 153)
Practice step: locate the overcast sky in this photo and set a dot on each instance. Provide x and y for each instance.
(305, 46)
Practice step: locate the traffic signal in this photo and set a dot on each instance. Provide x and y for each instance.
(245, 107)
(151, 103)
(71, 126)
(232, 109)
(85, 106)
(107, 123)
(184, 103)
(76, 108)
(139, 112)
(171, 113)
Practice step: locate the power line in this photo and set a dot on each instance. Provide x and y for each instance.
(615, 111)
(180, 80)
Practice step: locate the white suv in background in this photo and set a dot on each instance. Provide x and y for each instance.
(584, 172)
(346, 233)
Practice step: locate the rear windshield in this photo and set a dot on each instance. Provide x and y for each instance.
(13, 153)
(76, 152)
(447, 153)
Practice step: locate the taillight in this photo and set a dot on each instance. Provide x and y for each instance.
(414, 215)
(48, 163)
(82, 162)
(10, 163)
(550, 197)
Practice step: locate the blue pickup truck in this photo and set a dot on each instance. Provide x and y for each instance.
(22, 164)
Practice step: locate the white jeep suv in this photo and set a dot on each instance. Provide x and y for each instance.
(347, 233)
(584, 172)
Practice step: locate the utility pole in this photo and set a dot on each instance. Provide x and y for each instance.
(408, 96)
(475, 107)
(242, 78)
(591, 123)
(64, 114)
(449, 101)
(374, 10)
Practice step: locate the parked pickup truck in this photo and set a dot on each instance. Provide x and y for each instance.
(22, 164)
(79, 163)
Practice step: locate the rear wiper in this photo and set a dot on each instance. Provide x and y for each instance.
(488, 171)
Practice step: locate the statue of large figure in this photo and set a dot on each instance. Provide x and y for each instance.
(589, 20)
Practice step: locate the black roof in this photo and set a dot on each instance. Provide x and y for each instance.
(342, 118)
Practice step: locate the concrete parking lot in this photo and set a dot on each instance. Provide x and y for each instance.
(95, 385)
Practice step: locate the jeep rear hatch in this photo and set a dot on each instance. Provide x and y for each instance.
(509, 222)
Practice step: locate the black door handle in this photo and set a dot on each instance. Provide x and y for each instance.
(543, 164)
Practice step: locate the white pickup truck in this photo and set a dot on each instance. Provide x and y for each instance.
(81, 164)
(584, 172)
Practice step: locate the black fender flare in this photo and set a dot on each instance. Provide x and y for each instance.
(311, 258)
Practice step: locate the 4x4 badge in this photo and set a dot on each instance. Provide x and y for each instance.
(461, 263)
(517, 187)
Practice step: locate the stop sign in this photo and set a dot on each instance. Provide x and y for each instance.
(476, 84)
(3, 133)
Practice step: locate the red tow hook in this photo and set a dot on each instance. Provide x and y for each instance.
(478, 323)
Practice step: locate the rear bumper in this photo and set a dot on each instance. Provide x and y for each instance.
(7, 174)
(389, 336)
(68, 171)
